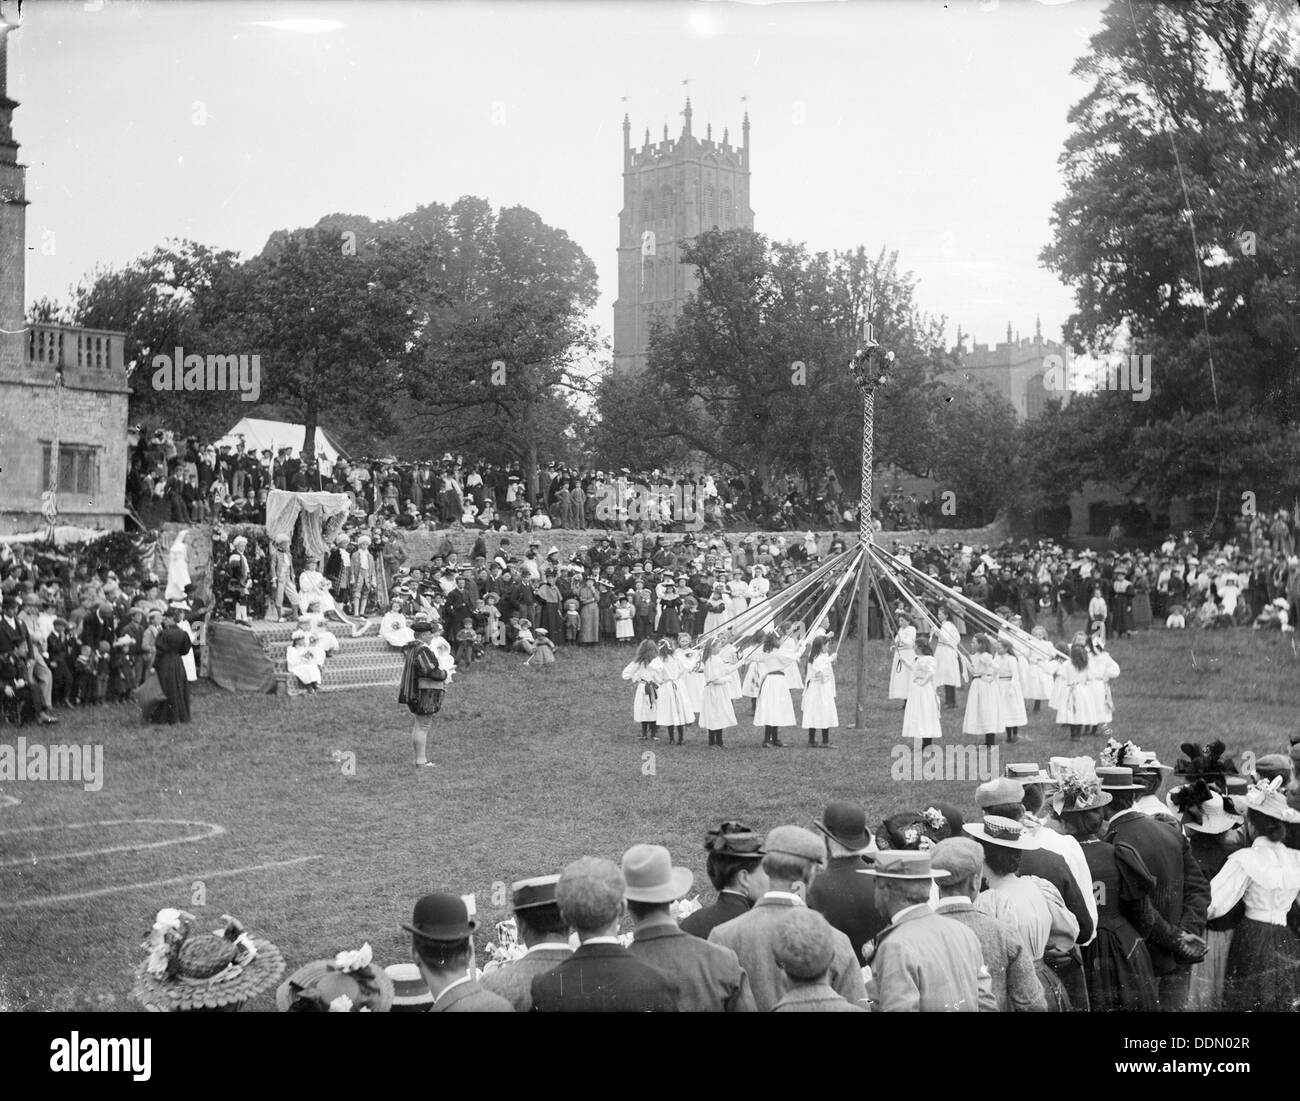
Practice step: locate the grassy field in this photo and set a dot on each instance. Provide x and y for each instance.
(534, 768)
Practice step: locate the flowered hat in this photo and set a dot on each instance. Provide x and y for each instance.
(350, 983)
(1268, 797)
(190, 970)
(1080, 786)
(1205, 762)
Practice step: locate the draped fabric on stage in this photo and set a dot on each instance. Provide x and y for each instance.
(236, 659)
(319, 511)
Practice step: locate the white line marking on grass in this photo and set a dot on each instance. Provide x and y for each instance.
(212, 829)
(54, 900)
(9, 800)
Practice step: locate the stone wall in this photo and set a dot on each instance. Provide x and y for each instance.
(28, 416)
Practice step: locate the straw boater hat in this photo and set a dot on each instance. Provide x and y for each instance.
(410, 992)
(1005, 832)
(350, 983)
(1030, 774)
(1117, 778)
(189, 970)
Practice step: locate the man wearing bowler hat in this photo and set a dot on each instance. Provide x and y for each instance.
(847, 902)
(793, 857)
(708, 977)
(1176, 928)
(601, 976)
(922, 962)
(441, 931)
(543, 929)
(735, 868)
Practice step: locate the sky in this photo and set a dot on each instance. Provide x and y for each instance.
(930, 128)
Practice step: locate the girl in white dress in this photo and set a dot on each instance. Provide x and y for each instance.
(737, 595)
(773, 708)
(715, 609)
(693, 676)
(921, 712)
(641, 670)
(1102, 669)
(1011, 699)
(314, 589)
(671, 708)
(732, 658)
(949, 663)
(900, 672)
(819, 711)
(393, 629)
(1078, 708)
(303, 662)
(1038, 678)
(983, 709)
(716, 712)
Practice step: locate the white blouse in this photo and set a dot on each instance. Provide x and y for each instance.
(1267, 875)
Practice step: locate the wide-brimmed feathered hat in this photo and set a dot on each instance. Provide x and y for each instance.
(189, 970)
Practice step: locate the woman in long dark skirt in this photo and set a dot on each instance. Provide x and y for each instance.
(1117, 965)
(171, 646)
(549, 600)
(1263, 972)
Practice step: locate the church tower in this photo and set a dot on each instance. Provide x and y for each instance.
(672, 191)
(13, 219)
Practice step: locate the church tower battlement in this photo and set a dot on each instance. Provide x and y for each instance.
(673, 190)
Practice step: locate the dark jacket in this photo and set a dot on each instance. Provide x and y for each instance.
(730, 904)
(1182, 894)
(847, 901)
(603, 978)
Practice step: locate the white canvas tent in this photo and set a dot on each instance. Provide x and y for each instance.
(258, 434)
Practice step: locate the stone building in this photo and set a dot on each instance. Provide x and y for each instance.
(63, 390)
(1015, 369)
(672, 191)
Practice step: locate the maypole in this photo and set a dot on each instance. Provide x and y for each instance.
(869, 368)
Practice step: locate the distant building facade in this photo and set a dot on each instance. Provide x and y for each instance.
(1015, 369)
(673, 190)
(63, 390)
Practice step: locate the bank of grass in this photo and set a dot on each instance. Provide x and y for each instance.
(534, 768)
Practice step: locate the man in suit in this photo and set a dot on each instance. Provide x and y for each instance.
(543, 929)
(1175, 931)
(441, 931)
(601, 976)
(792, 859)
(922, 962)
(847, 901)
(708, 977)
(1011, 970)
(803, 951)
(735, 868)
(101, 626)
(11, 630)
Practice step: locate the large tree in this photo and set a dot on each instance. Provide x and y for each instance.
(1179, 227)
(504, 341)
(753, 374)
